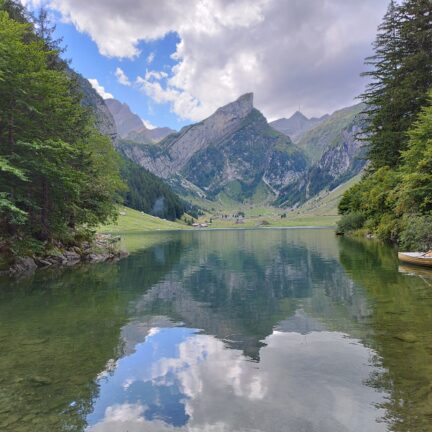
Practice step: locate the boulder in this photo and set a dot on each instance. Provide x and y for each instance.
(23, 266)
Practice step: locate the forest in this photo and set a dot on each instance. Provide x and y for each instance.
(394, 198)
(60, 177)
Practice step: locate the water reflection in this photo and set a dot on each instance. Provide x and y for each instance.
(180, 378)
(219, 331)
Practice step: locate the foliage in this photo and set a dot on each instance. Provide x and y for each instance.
(395, 195)
(416, 233)
(400, 74)
(149, 193)
(350, 222)
(58, 175)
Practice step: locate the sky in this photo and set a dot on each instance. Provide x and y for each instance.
(175, 62)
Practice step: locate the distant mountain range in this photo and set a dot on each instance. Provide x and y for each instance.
(131, 127)
(335, 152)
(236, 153)
(296, 125)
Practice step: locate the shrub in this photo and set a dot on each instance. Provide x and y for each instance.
(388, 228)
(416, 233)
(350, 222)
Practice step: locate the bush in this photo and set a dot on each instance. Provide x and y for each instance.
(350, 222)
(416, 233)
(388, 228)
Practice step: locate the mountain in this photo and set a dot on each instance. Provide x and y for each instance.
(131, 127)
(149, 136)
(328, 133)
(234, 151)
(146, 192)
(104, 120)
(126, 121)
(296, 125)
(336, 152)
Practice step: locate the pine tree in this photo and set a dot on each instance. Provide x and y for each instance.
(58, 175)
(400, 78)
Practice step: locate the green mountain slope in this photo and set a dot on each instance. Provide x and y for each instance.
(316, 141)
(337, 155)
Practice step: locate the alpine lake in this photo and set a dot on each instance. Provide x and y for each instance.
(265, 330)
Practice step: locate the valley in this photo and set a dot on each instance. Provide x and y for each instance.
(235, 161)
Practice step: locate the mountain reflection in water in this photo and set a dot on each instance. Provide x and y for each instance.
(260, 330)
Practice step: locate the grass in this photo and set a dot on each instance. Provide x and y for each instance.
(325, 203)
(135, 221)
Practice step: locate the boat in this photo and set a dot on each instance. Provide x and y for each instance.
(416, 258)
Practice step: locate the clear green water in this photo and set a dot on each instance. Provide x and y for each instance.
(265, 330)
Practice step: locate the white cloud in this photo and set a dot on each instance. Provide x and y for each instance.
(289, 53)
(157, 75)
(100, 89)
(150, 58)
(122, 77)
(148, 124)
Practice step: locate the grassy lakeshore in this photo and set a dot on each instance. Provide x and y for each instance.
(134, 222)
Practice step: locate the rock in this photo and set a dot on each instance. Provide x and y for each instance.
(93, 257)
(43, 262)
(72, 256)
(23, 266)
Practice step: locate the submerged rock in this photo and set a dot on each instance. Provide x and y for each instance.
(23, 266)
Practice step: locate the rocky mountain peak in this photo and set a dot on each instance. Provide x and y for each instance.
(298, 116)
(296, 126)
(126, 121)
(240, 108)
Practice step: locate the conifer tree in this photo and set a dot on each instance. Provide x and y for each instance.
(400, 78)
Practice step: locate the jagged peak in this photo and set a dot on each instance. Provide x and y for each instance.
(298, 115)
(241, 107)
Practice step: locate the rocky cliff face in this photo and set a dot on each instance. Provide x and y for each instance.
(126, 121)
(233, 151)
(103, 118)
(130, 127)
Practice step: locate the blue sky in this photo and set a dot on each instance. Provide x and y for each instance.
(86, 59)
(207, 53)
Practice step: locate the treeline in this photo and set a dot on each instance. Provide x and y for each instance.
(59, 177)
(148, 193)
(394, 198)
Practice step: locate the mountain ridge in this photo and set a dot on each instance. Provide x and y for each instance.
(233, 148)
(130, 126)
(296, 125)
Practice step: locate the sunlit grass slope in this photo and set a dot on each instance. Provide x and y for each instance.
(135, 221)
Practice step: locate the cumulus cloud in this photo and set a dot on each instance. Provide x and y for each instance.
(122, 77)
(289, 53)
(100, 89)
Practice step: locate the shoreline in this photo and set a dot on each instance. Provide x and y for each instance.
(187, 229)
(103, 248)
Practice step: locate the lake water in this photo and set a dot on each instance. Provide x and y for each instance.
(220, 331)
